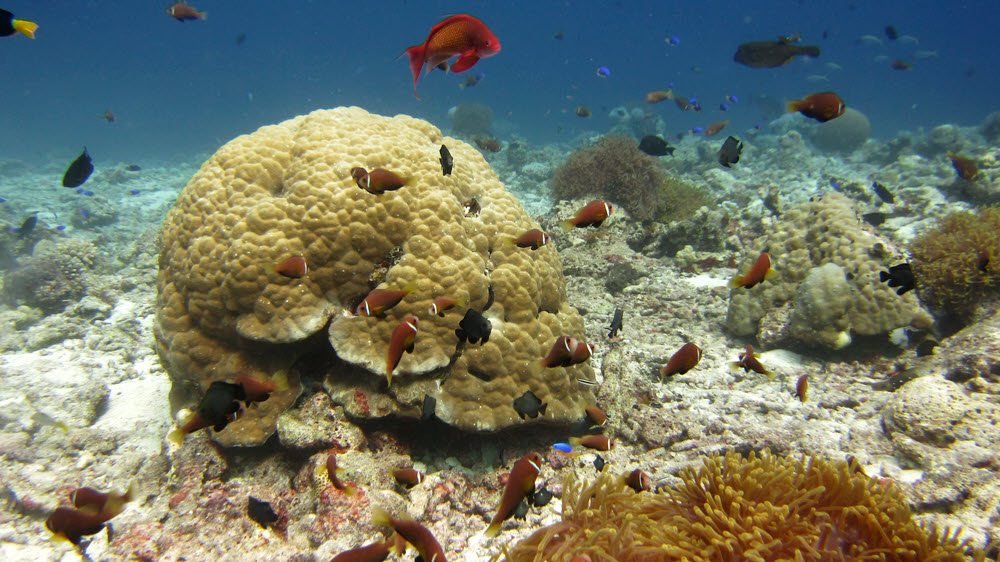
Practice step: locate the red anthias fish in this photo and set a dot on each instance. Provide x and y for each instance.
(461, 35)
(822, 107)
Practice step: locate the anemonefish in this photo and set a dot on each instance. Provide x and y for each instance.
(93, 509)
(822, 107)
(294, 267)
(375, 552)
(802, 388)
(258, 390)
(581, 353)
(402, 340)
(379, 180)
(182, 12)
(443, 304)
(332, 473)
(408, 477)
(358, 173)
(561, 353)
(593, 214)
(9, 26)
(682, 361)
(659, 95)
(760, 271)
(597, 442)
(461, 35)
(414, 533)
(638, 480)
(533, 239)
(749, 362)
(964, 167)
(380, 300)
(596, 415)
(520, 485)
(714, 128)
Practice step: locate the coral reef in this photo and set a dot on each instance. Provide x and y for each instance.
(957, 263)
(757, 508)
(286, 190)
(471, 119)
(53, 276)
(615, 169)
(823, 231)
(843, 134)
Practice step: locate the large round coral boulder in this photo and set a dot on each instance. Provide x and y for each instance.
(286, 190)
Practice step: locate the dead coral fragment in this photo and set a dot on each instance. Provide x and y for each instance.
(734, 508)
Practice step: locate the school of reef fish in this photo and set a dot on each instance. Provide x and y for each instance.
(357, 338)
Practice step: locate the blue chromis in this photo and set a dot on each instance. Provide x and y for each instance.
(673, 40)
(723, 107)
(603, 71)
(564, 448)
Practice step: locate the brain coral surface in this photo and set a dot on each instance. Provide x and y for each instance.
(286, 190)
(824, 231)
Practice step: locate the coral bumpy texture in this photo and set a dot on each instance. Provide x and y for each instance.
(286, 190)
(733, 508)
(825, 231)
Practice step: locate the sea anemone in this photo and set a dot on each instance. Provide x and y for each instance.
(758, 508)
(957, 264)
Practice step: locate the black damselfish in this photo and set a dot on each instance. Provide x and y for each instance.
(883, 193)
(261, 512)
(616, 323)
(474, 327)
(27, 226)
(654, 145)
(730, 152)
(78, 171)
(529, 405)
(900, 275)
(447, 162)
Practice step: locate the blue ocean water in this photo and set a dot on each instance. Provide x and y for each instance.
(182, 89)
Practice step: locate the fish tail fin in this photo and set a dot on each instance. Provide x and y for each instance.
(25, 27)
(203, 15)
(771, 272)
(380, 516)
(410, 287)
(736, 282)
(792, 106)
(567, 225)
(350, 490)
(884, 276)
(461, 301)
(493, 530)
(280, 381)
(735, 365)
(116, 502)
(575, 441)
(176, 436)
(508, 241)
(536, 368)
(418, 54)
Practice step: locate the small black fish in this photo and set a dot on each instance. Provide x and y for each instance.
(528, 405)
(891, 33)
(900, 275)
(240, 38)
(133, 168)
(874, 219)
(520, 512)
(78, 171)
(730, 151)
(447, 162)
(429, 408)
(599, 463)
(220, 403)
(616, 323)
(474, 327)
(260, 512)
(27, 226)
(926, 348)
(654, 145)
(883, 193)
(541, 497)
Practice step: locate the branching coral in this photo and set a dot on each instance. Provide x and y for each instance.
(957, 264)
(733, 508)
(615, 169)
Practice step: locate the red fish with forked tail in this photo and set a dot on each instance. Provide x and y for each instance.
(461, 35)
